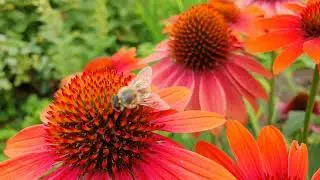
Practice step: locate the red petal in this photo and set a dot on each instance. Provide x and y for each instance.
(235, 105)
(176, 97)
(294, 7)
(194, 101)
(190, 121)
(273, 148)
(212, 96)
(163, 70)
(64, 172)
(298, 161)
(98, 63)
(160, 53)
(274, 40)
(312, 48)
(287, 57)
(29, 140)
(245, 150)
(316, 175)
(247, 81)
(250, 64)
(97, 176)
(280, 22)
(186, 164)
(212, 152)
(122, 175)
(26, 167)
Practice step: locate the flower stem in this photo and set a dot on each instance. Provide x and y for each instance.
(310, 105)
(272, 93)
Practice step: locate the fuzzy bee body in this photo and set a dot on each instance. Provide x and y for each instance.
(138, 92)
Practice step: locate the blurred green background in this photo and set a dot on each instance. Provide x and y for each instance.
(42, 41)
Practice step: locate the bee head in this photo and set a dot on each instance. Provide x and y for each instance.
(115, 103)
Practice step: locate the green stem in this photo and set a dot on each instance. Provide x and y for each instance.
(310, 105)
(272, 95)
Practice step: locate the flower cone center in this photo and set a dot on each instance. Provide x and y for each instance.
(311, 20)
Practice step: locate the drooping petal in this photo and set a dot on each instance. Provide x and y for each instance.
(64, 172)
(122, 175)
(316, 175)
(245, 150)
(274, 40)
(186, 164)
(246, 81)
(280, 22)
(251, 65)
(212, 152)
(235, 105)
(293, 7)
(98, 63)
(298, 161)
(190, 121)
(161, 51)
(150, 169)
(176, 97)
(274, 151)
(29, 140)
(125, 60)
(26, 167)
(287, 57)
(194, 101)
(212, 96)
(312, 48)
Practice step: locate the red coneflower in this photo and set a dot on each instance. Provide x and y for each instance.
(266, 158)
(84, 137)
(240, 19)
(295, 34)
(270, 7)
(204, 56)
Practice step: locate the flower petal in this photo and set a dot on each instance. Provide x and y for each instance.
(298, 161)
(235, 105)
(280, 22)
(163, 70)
(122, 175)
(274, 40)
(212, 152)
(316, 175)
(29, 140)
(293, 7)
(312, 48)
(287, 57)
(186, 164)
(176, 97)
(274, 151)
(97, 176)
(161, 52)
(246, 81)
(251, 64)
(190, 121)
(212, 96)
(64, 172)
(26, 167)
(98, 63)
(245, 150)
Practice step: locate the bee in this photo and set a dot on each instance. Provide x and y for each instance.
(138, 92)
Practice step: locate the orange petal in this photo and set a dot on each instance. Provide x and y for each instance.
(312, 48)
(287, 57)
(29, 140)
(190, 121)
(125, 60)
(274, 151)
(245, 150)
(280, 22)
(294, 7)
(274, 40)
(316, 175)
(26, 167)
(298, 161)
(186, 164)
(98, 63)
(177, 97)
(212, 152)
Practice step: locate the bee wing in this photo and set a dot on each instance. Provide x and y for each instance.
(142, 80)
(154, 101)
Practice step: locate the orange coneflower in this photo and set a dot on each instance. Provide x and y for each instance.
(84, 137)
(123, 61)
(240, 19)
(295, 34)
(266, 158)
(204, 56)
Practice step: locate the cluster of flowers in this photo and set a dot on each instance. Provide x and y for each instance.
(202, 72)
